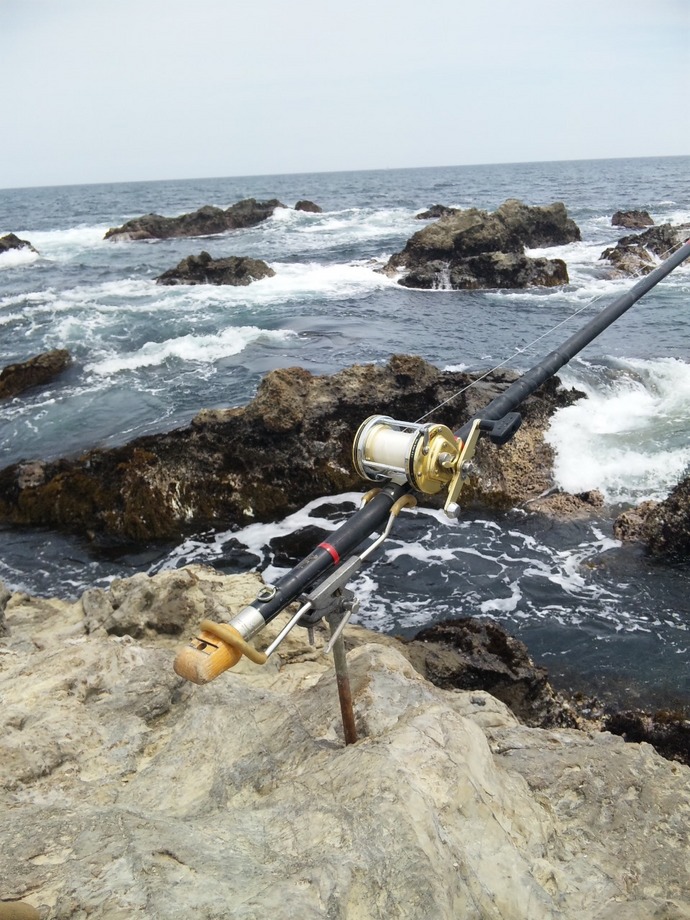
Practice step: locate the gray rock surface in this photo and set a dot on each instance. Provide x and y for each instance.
(125, 792)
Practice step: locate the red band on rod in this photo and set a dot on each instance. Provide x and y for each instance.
(332, 551)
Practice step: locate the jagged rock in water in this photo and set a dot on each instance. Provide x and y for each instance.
(436, 211)
(37, 371)
(309, 206)
(202, 269)
(668, 732)
(471, 654)
(663, 527)
(632, 220)
(124, 790)
(638, 253)
(474, 249)
(12, 241)
(291, 444)
(205, 221)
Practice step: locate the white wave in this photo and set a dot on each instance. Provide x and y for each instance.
(13, 258)
(627, 438)
(205, 349)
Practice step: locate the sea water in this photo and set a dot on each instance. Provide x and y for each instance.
(147, 358)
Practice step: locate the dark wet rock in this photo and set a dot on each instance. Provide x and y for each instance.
(668, 732)
(638, 254)
(436, 211)
(629, 526)
(632, 220)
(666, 528)
(474, 249)
(37, 371)
(11, 241)
(489, 270)
(309, 206)
(202, 269)
(206, 221)
(474, 654)
(290, 445)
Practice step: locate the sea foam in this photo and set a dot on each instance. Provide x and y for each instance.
(628, 437)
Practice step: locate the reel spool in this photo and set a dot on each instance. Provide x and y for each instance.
(427, 457)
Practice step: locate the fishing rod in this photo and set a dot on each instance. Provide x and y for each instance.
(400, 458)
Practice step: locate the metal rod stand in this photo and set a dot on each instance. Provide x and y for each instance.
(343, 679)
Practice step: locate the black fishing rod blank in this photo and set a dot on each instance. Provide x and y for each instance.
(400, 458)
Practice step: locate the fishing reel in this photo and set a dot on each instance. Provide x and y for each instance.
(428, 457)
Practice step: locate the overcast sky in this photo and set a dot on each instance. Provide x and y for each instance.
(120, 90)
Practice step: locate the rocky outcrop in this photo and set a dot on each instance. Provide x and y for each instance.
(202, 269)
(37, 371)
(667, 731)
(632, 220)
(291, 444)
(638, 254)
(436, 211)
(309, 206)
(471, 654)
(124, 790)
(205, 221)
(11, 241)
(663, 527)
(474, 249)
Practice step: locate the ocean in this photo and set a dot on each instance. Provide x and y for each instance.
(600, 616)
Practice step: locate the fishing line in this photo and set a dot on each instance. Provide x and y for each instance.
(521, 351)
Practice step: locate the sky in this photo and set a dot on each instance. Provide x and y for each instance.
(102, 91)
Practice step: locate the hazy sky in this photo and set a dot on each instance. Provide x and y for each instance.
(117, 90)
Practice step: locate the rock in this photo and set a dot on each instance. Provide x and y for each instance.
(290, 445)
(474, 249)
(637, 254)
(666, 526)
(632, 220)
(309, 206)
(205, 221)
(629, 525)
(667, 732)
(471, 654)
(490, 270)
(436, 211)
(37, 371)
(11, 241)
(124, 790)
(202, 269)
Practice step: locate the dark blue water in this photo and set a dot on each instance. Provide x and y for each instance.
(148, 358)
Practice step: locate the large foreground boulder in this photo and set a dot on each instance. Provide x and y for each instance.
(474, 249)
(291, 444)
(125, 791)
(36, 371)
(205, 221)
(202, 269)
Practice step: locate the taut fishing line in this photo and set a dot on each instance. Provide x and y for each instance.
(525, 348)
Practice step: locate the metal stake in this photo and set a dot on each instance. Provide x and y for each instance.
(343, 679)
